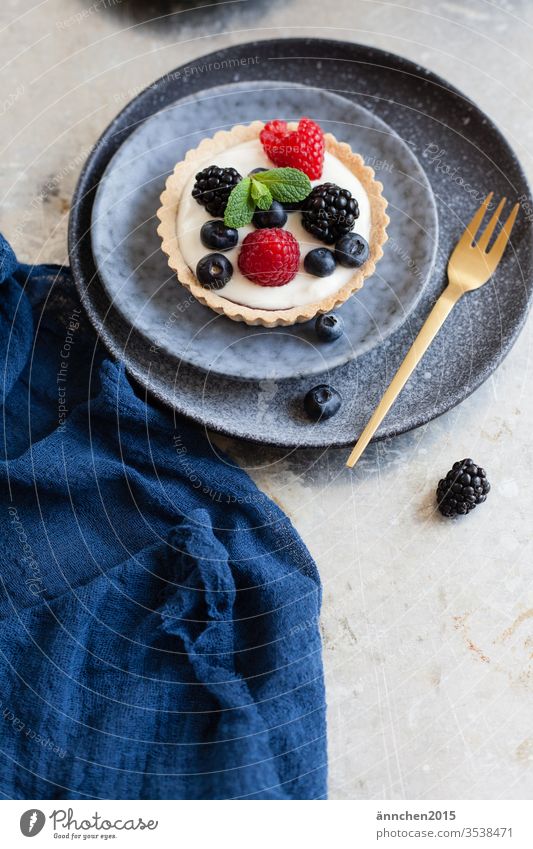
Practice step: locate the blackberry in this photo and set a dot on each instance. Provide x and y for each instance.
(213, 187)
(464, 487)
(329, 212)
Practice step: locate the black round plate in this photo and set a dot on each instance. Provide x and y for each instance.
(464, 156)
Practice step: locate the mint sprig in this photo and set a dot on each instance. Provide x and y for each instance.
(285, 184)
(259, 190)
(241, 205)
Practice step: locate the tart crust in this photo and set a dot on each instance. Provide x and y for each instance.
(223, 140)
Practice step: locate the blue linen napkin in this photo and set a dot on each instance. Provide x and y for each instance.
(158, 613)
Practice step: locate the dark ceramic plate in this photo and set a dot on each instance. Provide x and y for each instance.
(135, 273)
(463, 155)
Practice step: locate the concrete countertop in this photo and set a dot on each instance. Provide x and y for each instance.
(427, 624)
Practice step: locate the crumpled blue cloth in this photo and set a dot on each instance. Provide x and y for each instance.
(159, 614)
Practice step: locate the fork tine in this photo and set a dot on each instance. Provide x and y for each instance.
(484, 239)
(496, 252)
(471, 229)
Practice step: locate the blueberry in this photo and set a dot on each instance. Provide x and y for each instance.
(257, 171)
(218, 237)
(214, 271)
(352, 250)
(273, 217)
(320, 262)
(329, 327)
(322, 402)
(292, 205)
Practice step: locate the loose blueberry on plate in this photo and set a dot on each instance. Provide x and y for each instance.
(322, 402)
(257, 171)
(214, 271)
(273, 217)
(352, 250)
(320, 262)
(329, 327)
(218, 237)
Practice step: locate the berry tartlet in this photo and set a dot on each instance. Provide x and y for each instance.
(273, 224)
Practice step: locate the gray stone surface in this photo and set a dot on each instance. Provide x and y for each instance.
(427, 624)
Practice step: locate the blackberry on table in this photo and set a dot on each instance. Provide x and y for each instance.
(329, 212)
(464, 487)
(213, 187)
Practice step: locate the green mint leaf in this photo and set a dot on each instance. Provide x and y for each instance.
(241, 205)
(260, 190)
(285, 184)
(265, 202)
(261, 195)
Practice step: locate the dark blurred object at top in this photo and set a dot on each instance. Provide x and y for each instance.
(213, 14)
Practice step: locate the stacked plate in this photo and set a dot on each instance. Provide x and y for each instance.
(250, 381)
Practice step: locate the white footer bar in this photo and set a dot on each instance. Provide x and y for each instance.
(259, 825)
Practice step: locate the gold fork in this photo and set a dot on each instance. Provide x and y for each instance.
(469, 267)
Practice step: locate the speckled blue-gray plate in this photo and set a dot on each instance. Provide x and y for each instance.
(140, 285)
(463, 155)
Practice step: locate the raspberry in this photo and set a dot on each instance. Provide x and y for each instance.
(302, 148)
(270, 257)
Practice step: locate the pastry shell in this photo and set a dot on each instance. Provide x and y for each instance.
(223, 140)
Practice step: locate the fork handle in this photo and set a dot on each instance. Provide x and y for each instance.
(428, 331)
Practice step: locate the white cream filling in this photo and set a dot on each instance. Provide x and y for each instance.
(305, 288)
